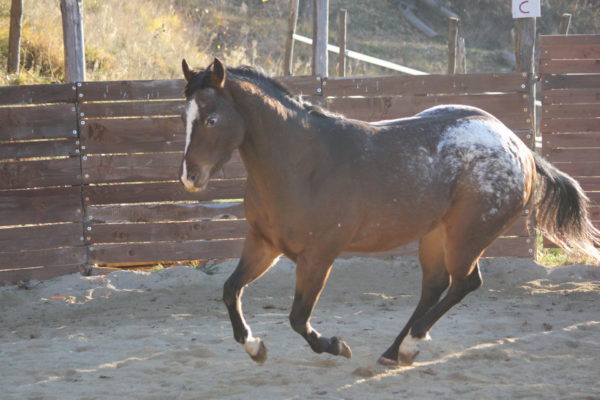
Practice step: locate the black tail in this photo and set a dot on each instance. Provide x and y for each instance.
(562, 211)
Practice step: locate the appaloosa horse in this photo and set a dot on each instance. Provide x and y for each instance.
(452, 177)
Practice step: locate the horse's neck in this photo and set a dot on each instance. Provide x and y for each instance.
(278, 139)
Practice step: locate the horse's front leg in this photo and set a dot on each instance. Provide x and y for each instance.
(256, 259)
(311, 276)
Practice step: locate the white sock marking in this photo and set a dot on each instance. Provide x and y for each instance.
(410, 344)
(252, 344)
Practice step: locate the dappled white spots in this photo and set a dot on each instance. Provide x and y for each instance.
(487, 153)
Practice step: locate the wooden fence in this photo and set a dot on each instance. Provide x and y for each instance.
(40, 183)
(89, 172)
(570, 125)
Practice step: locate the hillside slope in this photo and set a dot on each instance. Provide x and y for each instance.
(145, 39)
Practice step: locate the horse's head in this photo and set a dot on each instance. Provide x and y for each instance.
(213, 126)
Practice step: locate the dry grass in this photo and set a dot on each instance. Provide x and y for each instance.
(146, 39)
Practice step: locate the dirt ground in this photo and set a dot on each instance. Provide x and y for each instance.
(528, 333)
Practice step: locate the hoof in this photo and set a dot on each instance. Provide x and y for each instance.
(344, 349)
(257, 350)
(388, 362)
(261, 355)
(408, 358)
(404, 360)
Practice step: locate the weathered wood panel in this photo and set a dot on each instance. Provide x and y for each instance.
(595, 214)
(510, 108)
(574, 51)
(41, 237)
(570, 96)
(590, 183)
(520, 228)
(135, 253)
(577, 111)
(572, 125)
(161, 192)
(137, 135)
(567, 40)
(503, 247)
(37, 94)
(301, 85)
(40, 206)
(164, 212)
(38, 149)
(171, 89)
(594, 197)
(569, 66)
(167, 231)
(426, 84)
(574, 81)
(38, 122)
(146, 167)
(65, 256)
(25, 174)
(510, 247)
(554, 140)
(131, 90)
(570, 155)
(132, 109)
(576, 169)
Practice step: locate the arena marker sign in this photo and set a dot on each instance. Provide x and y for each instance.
(526, 9)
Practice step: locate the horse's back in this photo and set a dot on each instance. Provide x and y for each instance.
(449, 112)
(423, 164)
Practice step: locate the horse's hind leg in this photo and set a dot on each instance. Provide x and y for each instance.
(256, 259)
(461, 286)
(435, 281)
(467, 235)
(311, 276)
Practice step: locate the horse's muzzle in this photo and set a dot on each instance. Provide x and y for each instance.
(196, 180)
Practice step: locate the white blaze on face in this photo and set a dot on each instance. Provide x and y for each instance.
(191, 115)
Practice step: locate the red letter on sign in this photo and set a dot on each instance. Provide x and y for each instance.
(522, 5)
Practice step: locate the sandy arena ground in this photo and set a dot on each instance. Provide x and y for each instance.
(528, 333)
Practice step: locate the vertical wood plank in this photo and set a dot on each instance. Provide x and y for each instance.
(74, 46)
(342, 30)
(462, 56)
(525, 33)
(452, 44)
(525, 43)
(565, 23)
(14, 36)
(320, 38)
(288, 60)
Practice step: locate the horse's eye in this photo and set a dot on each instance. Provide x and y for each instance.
(211, 120)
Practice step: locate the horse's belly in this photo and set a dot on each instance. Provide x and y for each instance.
(388, 232)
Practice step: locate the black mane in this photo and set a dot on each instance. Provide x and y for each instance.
(245, 72)
(269, 86)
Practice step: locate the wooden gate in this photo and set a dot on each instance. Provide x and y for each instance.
(570, 125)
(99, 161)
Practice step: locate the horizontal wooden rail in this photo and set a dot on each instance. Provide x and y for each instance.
(365, 58)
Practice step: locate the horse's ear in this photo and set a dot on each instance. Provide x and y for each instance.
(217, 74)
(187, 72)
